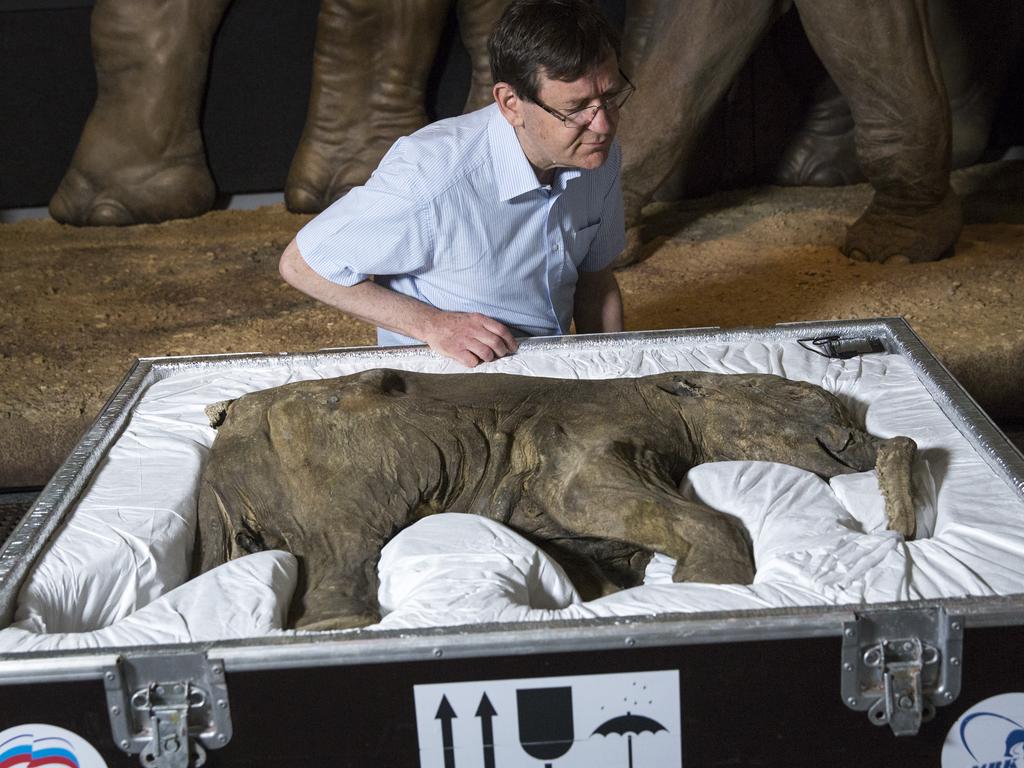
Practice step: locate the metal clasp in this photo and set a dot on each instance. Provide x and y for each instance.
(901, 664)
(167, 709)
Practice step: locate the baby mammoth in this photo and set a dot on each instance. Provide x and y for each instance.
(331, 469)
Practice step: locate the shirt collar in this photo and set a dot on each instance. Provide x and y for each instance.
(513, 173)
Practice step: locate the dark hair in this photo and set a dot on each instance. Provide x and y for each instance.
(561, 39)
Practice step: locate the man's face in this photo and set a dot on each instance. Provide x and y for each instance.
(547, 142)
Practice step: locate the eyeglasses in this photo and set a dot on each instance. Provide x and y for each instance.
(581, 118)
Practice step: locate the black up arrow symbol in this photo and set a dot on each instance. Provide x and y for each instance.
(446, 714)
(485, 712)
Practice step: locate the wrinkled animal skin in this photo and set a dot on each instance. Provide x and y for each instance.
(330, 470)
(976, 45)
(683, 56)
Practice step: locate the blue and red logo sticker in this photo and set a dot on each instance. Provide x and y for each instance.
(988, 735)
(46, 746)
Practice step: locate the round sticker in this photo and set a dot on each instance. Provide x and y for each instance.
(991, 733)
(42, 745)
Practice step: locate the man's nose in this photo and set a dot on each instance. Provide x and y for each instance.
(603, 121)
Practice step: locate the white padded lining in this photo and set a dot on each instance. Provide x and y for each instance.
(113, 574)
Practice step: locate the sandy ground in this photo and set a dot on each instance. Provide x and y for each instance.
(77, 306)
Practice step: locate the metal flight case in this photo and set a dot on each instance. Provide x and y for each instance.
(885, 684)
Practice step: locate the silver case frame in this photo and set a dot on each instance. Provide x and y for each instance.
(366, 647)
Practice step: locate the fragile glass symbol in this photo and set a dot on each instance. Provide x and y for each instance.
(545, 722)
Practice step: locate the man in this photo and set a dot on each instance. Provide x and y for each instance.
(496, 224)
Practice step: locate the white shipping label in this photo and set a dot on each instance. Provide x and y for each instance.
(626, 720)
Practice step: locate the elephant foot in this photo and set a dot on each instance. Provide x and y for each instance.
(819, 160)
(885, 234)
(141, 157)
(822, 154)
(634, 251)
(324, 169)
(131, 191)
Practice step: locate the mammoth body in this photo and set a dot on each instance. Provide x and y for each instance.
(331, 469)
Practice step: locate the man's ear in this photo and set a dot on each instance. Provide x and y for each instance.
(509, 103)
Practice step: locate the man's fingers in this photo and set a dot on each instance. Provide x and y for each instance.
(481, 350)
(497, 345)
(501, 332)
(466, 358)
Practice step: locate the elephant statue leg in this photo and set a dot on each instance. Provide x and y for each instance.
(975, 45)
(370, 68)
(681, 73)
(476, 20)
(140, 157)
(880, 56)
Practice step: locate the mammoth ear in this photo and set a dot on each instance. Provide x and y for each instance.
(682, 387)
(216, 412)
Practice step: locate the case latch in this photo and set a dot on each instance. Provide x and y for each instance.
(901, 664)
(166, 709)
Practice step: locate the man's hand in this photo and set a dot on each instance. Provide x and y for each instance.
(469, 337)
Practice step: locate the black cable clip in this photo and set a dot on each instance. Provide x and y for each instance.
(842, 348)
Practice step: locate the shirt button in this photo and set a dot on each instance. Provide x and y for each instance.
(555, 247)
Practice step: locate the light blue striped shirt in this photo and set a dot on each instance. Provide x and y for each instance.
(454, 216)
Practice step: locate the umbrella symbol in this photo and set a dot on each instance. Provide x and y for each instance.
(629, 724)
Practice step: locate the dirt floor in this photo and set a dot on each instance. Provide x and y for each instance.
(77, 306)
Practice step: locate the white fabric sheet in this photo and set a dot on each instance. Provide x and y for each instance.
(114, 573)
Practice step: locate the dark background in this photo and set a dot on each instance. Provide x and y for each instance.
(259, 87)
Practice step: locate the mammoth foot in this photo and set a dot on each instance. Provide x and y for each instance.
(722, 568)
(882, 234)
(353, 621)
(722, 555)
(324, 611)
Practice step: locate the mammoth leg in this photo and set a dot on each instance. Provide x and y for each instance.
(338, 583)
(623, 498)
(880, 56)
(476, 20)
(370, 68)
(140, 157)
(684, 68)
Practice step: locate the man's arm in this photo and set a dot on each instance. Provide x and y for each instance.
(468, 337)
(597, 305)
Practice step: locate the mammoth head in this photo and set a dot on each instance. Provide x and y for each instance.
(762, 417)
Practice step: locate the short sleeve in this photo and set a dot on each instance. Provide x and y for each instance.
(381, 228)
(610, 239)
